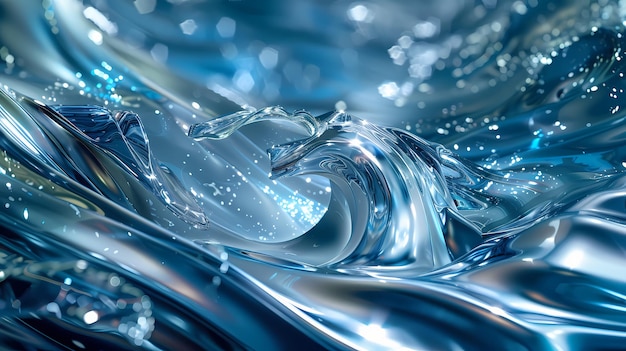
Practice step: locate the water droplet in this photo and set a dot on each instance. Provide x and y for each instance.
(91, 317)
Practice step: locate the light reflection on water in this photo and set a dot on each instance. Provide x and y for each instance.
(469, 183)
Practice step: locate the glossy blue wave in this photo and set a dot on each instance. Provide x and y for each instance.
(466, 192)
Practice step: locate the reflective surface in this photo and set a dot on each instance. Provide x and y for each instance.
(466, 189)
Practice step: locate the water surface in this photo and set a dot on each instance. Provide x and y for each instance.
(348, 175)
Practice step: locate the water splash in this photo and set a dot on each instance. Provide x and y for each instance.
(390, 181)
(496, 209)
(123, 135)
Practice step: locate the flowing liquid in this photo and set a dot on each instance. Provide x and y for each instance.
(467, 193)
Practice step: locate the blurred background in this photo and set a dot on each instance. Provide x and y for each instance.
(397, 63)
(415, 65)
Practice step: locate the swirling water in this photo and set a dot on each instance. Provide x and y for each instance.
(466, 191)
